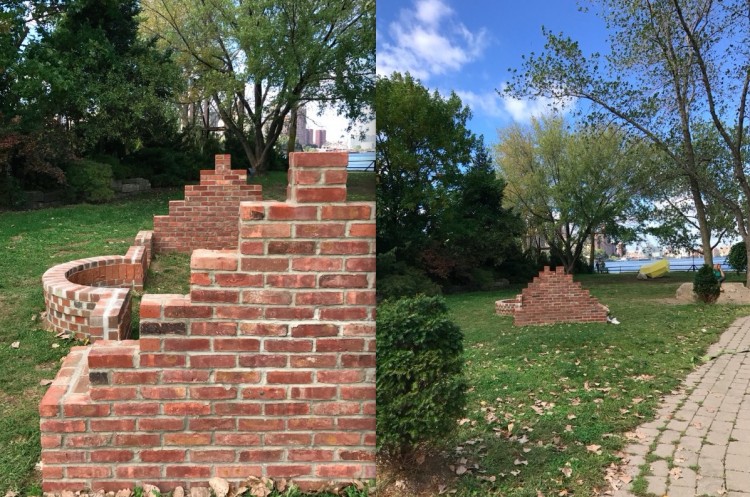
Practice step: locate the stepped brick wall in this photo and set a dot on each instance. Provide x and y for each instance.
(553, 297)
(90, 298)
(208, 217)
(266, 368)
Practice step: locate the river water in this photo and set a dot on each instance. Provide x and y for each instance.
(682, 264)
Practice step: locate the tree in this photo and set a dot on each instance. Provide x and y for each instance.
(421, 142)
(674, 63)
(93, 74)
(259, 61)
(566, 185)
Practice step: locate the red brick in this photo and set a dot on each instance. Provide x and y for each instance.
(212, 456)
(187, 439)
(187, 408)
(185, 376)
(212, 424)
(356, 455)
(238, 312)
(281, 345)
(88, 472)
(161, 424)
(316, 160)
(310, 424)
(213, 392)
(311, 455)
(162, 360)
(344, 313)
(135, 377)
(275, 230)
(62, 456)
(237, 377)
(313, 361)
(288, 439)
(286, 409)
(316, 393)
(188, 471)
(282, 212)
(291, 280)
(345, 247)
(261, 455)
(348, 212)
(163, 392)
(319, 298)
(206, 259)
(137, 409)
(320, 194)
(263, 424)
(187, 311)
(184, 343)
(212, 361)
(112, 425)
(111, 357)
(339, 470)
(240, 439)
(241, 472)
(230, 280)
(360, 424)
(116, 393)
(264, 392)
(366, 297)
(358, 393)
(263, 361)
(339, 345)
(78, 441)
(288, 471)
(196, 278)
(290, 313)
(125, 440)
(343, 281)
(220, 296)
(133, 472)
(85, 410)
(51, 441)
(337, 438)
(341, 376)
(237, 409)
(315, 330)
(111, 455)
(273, 297)
(67, 426)
(367, 230)
(265, 264)
(252, 248)
(337, 408)
(236, 344)
(326, 230)
(358, 360)
(292, 247)
(212, 328)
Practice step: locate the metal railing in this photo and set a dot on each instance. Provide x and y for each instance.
(361, 164)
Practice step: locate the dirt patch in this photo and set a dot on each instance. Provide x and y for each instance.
(732, 293)
(410, 478)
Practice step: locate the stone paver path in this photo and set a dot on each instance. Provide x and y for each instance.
(702, 432)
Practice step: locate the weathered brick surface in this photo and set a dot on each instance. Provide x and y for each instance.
(266, 368)
(207, 218)
(553, 297)
(90, 298)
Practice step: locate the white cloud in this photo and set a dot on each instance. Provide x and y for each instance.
(522, 110)
(428, 40)
(487, 103)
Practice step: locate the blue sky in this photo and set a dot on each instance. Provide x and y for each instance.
(468, 46)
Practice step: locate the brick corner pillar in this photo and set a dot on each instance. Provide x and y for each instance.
(223, 163)
(316, 177)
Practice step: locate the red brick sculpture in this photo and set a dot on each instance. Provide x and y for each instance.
(553, 297)
(266, 368)
(207, 218)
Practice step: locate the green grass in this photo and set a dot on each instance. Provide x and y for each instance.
(31, 242)
(602, 380)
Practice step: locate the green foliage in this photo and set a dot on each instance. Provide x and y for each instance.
(284, 54)
(705, 285)
(89, 181)
(164, 166)
(737, 258)
(567, 184)
(397, 279)
(420, 381)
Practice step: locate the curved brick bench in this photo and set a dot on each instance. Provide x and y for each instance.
(90, 298)
(508, 306)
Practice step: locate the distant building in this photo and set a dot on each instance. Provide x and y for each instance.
(319, 137)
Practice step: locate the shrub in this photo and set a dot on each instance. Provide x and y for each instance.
(89, 181)
(737, 258)
(420, 382)
(397, 279)
(706, 286)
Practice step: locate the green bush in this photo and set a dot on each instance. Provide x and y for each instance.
(89, 181)
(706, 286)
(420, 382)
(397, 279)
(737, 258)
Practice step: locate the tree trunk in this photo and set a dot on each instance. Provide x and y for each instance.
(700, 214)
(292, 130)
(592, 256)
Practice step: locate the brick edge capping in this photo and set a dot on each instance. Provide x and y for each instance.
(73, 305)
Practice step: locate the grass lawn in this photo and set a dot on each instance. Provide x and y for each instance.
(32, 242)
(549, 401)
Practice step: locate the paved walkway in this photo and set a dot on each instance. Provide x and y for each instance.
(701, 437)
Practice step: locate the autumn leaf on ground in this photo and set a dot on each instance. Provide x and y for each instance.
(44, 383)
(463, 421)
(571, 416)
(676, 472)
(518, 462)
(461, 469)
(596, 449)
(15, 345)
(568, 428)
(515, 472)
(567, 470)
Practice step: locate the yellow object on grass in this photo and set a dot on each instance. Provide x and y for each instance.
(654, 270)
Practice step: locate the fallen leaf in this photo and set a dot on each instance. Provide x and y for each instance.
(515, 472)
(463, 421)
(567, 470)
(518, 462)
(44, 383)
(571, 416)
(594, 448)
(15, 345)
(460, 470)
(55, 345)
(568, 427)
(420, 459)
